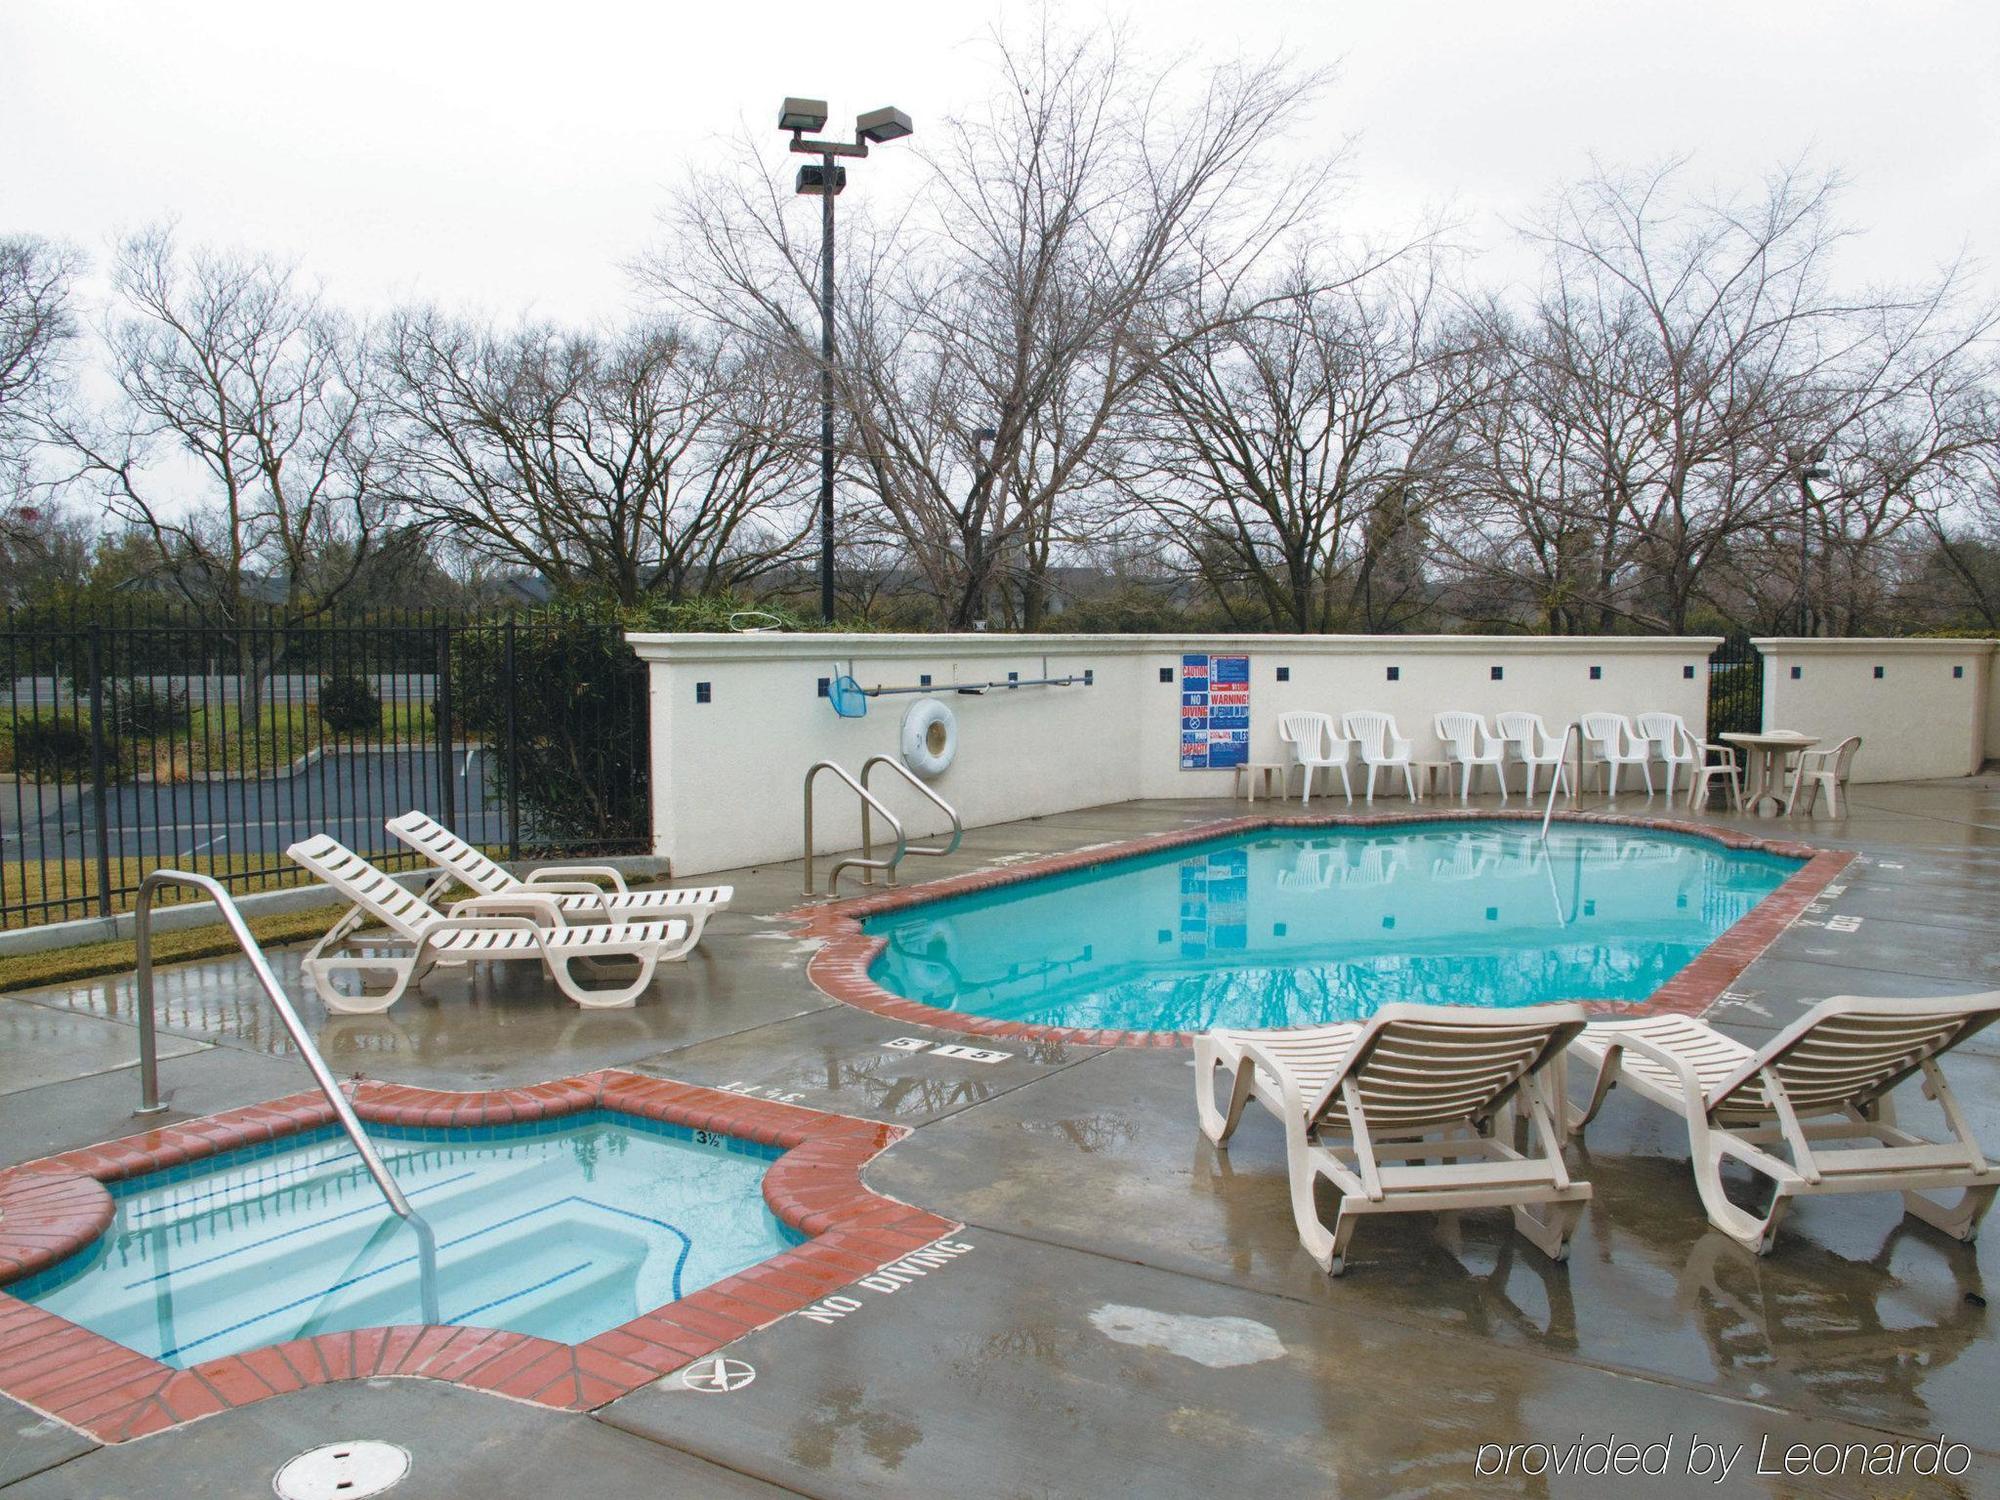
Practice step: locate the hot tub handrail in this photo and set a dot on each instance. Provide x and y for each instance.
(866, 859)
(957, 826)
(1574, 727)
(260, 968)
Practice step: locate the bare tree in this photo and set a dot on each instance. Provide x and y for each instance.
(1024, 296)
(242, 444)
(37, 325)
(1296, 455)
(642, 463)
(1634, 415)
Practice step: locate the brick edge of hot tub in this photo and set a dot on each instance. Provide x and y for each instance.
(840, 968)
(52, 1207)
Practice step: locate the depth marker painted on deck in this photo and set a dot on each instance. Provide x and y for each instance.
(945, 1049)
(969, 1054)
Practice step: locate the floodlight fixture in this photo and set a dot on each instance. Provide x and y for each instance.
(880, 125)
(812, 180)
(823, 180)
(802, 114)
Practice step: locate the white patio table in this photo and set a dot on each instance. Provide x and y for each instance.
(1764, 778)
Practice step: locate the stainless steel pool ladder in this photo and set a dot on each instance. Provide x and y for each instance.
(870, 803)
(260, 967)
(1574, 727)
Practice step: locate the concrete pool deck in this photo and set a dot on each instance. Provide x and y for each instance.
(1135, 1315)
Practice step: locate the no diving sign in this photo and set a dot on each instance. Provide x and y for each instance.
(718, 1375)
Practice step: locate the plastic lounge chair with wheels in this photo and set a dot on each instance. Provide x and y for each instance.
(573, 888)
(1381, 748)
(1314, 745)
(1407, 1112)
(1533, 748)
(482, 928)
(1609, 741)
(1468, 745)
(1818, 1091)
(1819, 770)
(1670, 742)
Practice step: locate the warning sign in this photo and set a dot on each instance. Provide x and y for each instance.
(1215, 712)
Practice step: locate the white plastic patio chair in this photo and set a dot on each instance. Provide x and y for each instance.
(1314, 746)
(1672, 743)
(1610, 742)
(1406, 1112)
(574, 888)
(478, 929)
(1822, 769)
(1817, 1090)
(1381, 747)
(1468, 744)
(1718, 763)
(1528, 737)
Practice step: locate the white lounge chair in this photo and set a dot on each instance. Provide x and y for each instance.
(1825, 770)
(1381, 748)
(1818, 1090)
(1468, 744)
(1671, 743)
(1609, 741)
(482, 928)
(1533, 748)
(1314, 745)
(573, 888)
(1407, 1112)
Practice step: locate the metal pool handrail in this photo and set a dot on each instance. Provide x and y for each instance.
(260, 968)
(1555, 781)
(864, 861)
(957, 827)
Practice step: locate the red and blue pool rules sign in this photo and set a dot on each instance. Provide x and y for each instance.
(1215, 712)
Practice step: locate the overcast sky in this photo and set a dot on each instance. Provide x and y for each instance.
(512, 156)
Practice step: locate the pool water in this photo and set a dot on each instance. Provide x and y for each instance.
(1297, 927)
(561, 1228)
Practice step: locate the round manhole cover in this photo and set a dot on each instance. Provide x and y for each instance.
(342, 1471)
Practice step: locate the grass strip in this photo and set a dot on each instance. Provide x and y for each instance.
(26, 971)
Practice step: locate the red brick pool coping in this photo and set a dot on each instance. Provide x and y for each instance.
(52, 1207)
(840, 967)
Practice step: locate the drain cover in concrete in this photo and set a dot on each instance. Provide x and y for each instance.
(342, 1471)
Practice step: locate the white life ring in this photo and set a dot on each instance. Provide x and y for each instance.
(930, 738)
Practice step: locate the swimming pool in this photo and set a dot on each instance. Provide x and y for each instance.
(560, 1228)
(1290, 927)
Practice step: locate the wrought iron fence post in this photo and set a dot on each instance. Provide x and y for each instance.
(97, 770)
(447, 800)
(513, 763)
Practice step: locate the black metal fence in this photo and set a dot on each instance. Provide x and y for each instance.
(145, 737)
(1735, 687)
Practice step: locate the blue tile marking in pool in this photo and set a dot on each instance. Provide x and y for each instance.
(560, 1228)
(410, 1261)
(526, 1291)
(372, 1210)
(1286, 927)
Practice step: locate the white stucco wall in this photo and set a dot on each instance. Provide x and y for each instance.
(1927, 715)
(727, 773)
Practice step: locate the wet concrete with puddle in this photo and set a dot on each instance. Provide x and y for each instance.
(1134, 1315)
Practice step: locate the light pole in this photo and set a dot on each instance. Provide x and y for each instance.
(981, 436)
(1807, 471)
(801, 117)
